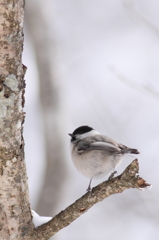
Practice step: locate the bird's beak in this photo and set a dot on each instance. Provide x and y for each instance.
(71, 134)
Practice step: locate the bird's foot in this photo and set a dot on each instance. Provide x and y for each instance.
(112, 175)
(89, 189)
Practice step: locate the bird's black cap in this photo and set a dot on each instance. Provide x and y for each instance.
(79, 130)
(82, 129)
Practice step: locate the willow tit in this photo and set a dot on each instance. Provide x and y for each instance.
(94, 154)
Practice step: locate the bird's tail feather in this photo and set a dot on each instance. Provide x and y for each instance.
(130, 150)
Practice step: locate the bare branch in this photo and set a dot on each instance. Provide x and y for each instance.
(137, 16)
(128, 179)
(129, 82)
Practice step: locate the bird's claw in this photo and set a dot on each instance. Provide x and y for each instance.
(112, 175)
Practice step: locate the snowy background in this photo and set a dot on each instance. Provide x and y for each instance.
(105, 56)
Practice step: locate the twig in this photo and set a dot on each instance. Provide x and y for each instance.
(139, 17)
(141, 88)
(128, 179)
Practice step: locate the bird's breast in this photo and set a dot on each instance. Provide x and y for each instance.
(94, 163)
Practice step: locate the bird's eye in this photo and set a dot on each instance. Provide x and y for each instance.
(73, 139)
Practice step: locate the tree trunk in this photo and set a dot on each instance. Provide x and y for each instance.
(15, 216)
(53, 113)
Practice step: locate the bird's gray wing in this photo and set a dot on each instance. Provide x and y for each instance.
(98, 142)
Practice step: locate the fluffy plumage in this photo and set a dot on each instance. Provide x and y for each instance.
(94, 154)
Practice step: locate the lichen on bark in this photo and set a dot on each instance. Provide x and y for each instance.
(15, 216)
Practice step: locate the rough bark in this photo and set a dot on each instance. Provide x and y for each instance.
(15, 216)
(128, 179)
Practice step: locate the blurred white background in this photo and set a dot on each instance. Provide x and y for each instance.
(103, 60)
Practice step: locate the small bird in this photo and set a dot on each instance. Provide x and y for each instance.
(95, 155)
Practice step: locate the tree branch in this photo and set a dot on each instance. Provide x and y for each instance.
(128, 179)
(134, 84)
